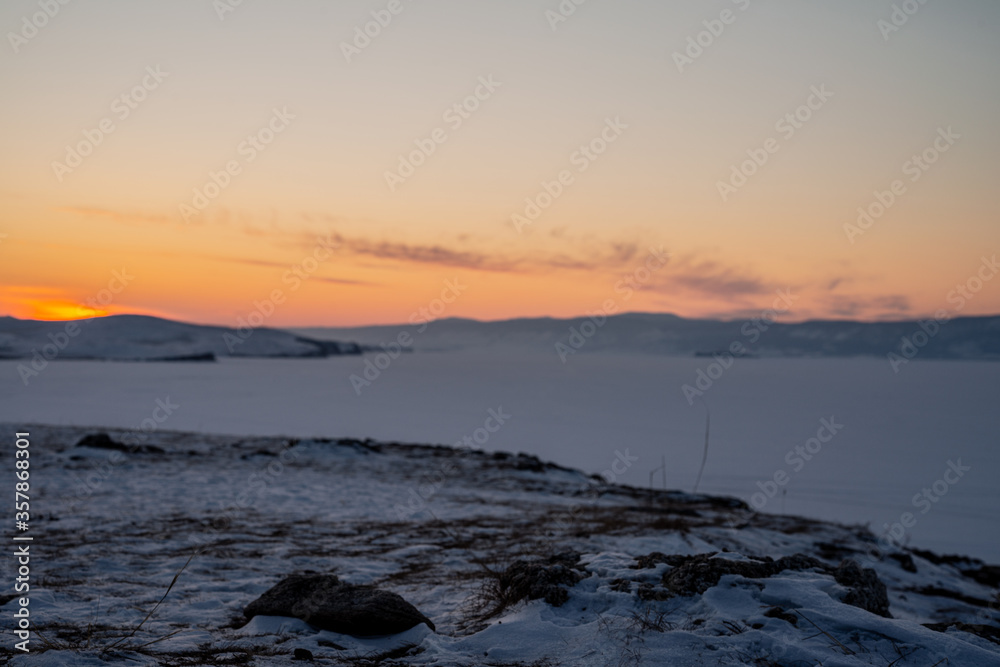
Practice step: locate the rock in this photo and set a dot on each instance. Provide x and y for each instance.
(536, 581)
(703, 571)
(104, 441)
(778, 612)
(987, 575)
(324, 602)
(302, 654)
(101, 441)
(647, 592)
(865, 590)
(650, 561)
(699, 573)
(905, 561)
(619, 585)
(987, 632)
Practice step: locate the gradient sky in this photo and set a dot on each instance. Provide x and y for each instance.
(655, 186)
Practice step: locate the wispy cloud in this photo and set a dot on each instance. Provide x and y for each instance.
(286, 265)
(709, 278)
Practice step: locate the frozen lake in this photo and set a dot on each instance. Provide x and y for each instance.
(892, 435)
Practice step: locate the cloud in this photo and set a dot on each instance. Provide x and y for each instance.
(562, 251)
(427, 254)
(279, 265)
(709, 278)
(580, 256)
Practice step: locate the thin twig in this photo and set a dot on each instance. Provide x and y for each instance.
(135, 648)
(155, 607)
(704, 457)
(49, 643)
(847, 651)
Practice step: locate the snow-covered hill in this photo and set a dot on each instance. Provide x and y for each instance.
(959, 338)
(517, 562)
(142, 338)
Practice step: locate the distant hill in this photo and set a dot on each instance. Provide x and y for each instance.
(142, 338)
(960, 338)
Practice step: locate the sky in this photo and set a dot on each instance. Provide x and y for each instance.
(206, 159)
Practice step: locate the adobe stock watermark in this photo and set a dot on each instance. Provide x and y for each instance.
(900, 16)
(786, 126)
(698, 43)
(31, 25)
(581, 159)
(248, 149)
(454, 116)
(620, 466)
(893, 535)
(257, 483)
(121, 108)
(751, 330)
(422, 317)
(366, 33)
(431, 483)
(101, 472)
(911, 345)
(562, 13)
(294, 277)
(61, 340)
(625, 287)
(796, 459)
(224, 7)
(915, 168)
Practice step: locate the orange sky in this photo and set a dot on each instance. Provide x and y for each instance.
(181, 94)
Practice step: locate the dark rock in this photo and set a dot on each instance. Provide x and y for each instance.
(987, 575)
(567, 558)
(961, 562)
(799, 562)
(302, 654)
(100, 441)
(778, 612)
(650, 561)
(987, 632)
(529, 463)
(647, 592)
(703, 571)
(937, 591)
(865, 590)
(324, 602)
(104, 441)
(556, 596)
(699, 573)
(619, 585)
(834, 551)
(905, 561)
(537, 581)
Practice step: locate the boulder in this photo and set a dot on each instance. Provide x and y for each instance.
(104, 441)
(696, 574)
(324, 602)
(541, 581)
(864, 589)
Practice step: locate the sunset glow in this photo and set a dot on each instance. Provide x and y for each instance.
(537, 164)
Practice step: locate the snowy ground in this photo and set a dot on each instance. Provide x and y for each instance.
(900, 430)
(111, 533)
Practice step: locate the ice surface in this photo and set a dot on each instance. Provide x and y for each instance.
(899, 430)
